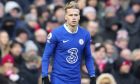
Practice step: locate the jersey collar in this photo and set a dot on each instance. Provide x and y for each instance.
(68, 30)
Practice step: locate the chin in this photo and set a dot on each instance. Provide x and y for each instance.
(74, 25)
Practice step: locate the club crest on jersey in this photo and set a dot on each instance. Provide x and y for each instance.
(81, 41)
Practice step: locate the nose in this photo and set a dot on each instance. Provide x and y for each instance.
(74, 17)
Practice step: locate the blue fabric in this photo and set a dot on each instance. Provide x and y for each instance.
(59, 80)
(68, 50)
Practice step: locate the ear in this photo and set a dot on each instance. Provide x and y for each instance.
(65, 17)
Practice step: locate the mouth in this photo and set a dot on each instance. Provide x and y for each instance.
(74, 21)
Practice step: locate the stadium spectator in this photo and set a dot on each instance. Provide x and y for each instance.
(112, 26)
(126, 54)
(9, 24)
(131, 24)
(121, 41)
(136, 66)
(4, 43)
(44, 14)
(136, 55)
(122, 73)
(30, 71)
(13, 9)
(111, 51)
(31, 48)
(93, 28)
(8, 70)
(1, 12)
(90, 13)
(135, 5)
(40, 40)
(59, 16)
(40, 2)
(22, 36)
(31, 24)
(100, 57)
(16, 51)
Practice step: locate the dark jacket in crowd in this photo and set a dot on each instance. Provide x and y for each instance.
(29, 76)
(19, 62)
(30, 31)
(9, 24)
(133, 31)
(41, 47)
(108, 33)
(136, 69)
(133, 2)
(4, 80)
(122, 78)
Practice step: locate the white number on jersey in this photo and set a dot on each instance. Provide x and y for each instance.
(73, 57)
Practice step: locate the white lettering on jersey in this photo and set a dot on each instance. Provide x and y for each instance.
(73, 57)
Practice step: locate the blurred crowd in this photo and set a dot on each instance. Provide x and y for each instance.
(114, 26)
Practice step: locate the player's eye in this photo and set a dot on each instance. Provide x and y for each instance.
(75, 14)
(70, 15)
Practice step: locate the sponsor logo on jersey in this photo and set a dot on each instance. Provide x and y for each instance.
(65, 41)
(73, 57)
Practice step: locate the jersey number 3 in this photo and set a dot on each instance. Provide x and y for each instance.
(73, 57)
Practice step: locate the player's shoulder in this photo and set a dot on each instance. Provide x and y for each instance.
(55, 33)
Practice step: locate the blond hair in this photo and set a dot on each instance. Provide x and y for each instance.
(106, 76)
(70, 5)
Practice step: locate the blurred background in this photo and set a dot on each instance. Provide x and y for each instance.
(114, 26)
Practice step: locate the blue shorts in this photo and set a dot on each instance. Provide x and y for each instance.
(57, 80)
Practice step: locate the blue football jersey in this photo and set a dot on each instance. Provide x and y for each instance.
(68, 49)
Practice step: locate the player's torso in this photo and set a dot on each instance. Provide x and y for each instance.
(71, 46)
(68, 54)
(68, 41)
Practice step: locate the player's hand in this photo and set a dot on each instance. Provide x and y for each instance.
(45, 80)
(92, 80)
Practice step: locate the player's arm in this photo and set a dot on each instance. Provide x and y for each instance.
(49, 48)
(89, 60)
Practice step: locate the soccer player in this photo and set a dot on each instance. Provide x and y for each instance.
(68, 43)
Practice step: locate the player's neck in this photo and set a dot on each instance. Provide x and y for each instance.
(71, 28)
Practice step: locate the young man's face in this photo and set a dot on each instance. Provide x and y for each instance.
(72, 16)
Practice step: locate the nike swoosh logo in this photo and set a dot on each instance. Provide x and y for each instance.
(65, 41)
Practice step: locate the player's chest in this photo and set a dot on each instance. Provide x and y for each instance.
(67, 42)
